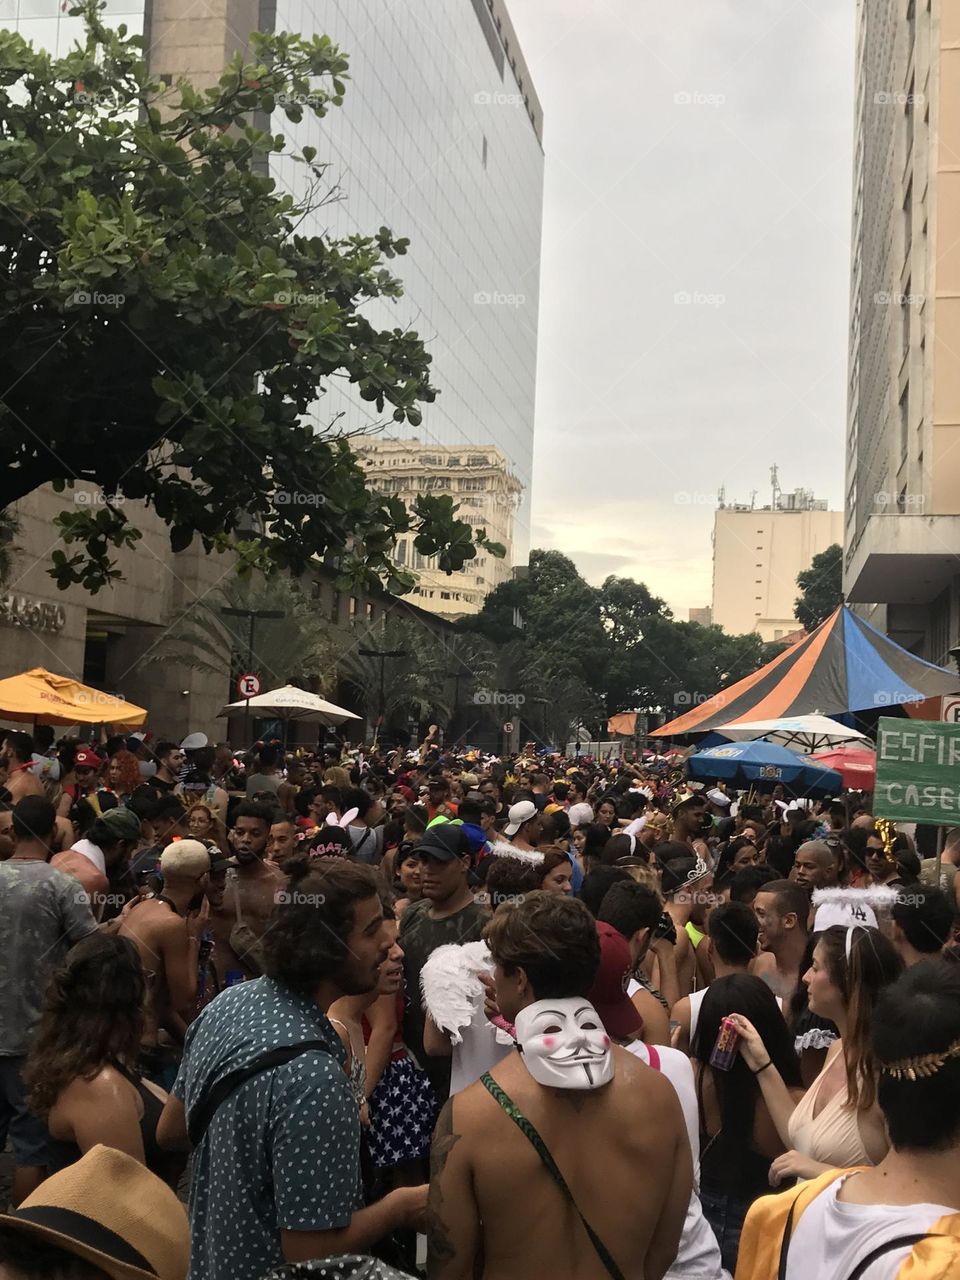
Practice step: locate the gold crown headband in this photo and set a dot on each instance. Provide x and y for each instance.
(928, 1064)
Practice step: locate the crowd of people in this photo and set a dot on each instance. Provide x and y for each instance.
(562, 1017)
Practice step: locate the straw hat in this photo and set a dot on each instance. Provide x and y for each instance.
(111, 1211)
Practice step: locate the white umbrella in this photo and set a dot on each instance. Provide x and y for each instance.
(802, 733)
(290, 703)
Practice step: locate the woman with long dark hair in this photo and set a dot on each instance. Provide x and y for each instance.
(81, 1072)
(837, 1123)
(738, 1138)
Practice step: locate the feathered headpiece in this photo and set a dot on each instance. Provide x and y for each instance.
(451, 987)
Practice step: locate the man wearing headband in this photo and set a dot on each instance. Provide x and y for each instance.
(589, 1140)
(903, 1216)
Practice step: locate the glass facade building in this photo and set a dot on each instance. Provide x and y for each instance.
(438, 139)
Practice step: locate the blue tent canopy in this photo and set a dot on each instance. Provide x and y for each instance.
(747, 764)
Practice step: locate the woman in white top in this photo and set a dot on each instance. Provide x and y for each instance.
(837, 1122)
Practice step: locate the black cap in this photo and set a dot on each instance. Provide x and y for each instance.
(445, 841)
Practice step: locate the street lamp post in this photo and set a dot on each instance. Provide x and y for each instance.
(252, 615)
(382, 654)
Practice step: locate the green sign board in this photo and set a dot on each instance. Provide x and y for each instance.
(918, 771)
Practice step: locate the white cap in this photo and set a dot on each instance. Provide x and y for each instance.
(517, 815)
(194, 741)
(580, 814)
(716, 796)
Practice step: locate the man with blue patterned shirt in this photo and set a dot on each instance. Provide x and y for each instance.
(276, 1175)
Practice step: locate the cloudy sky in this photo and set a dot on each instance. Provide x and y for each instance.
(693, 304)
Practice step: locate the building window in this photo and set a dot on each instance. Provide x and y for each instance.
(354, 602)
(401, 552)
(484, 151)
(335, 607)
(370, 610)
(904, 420)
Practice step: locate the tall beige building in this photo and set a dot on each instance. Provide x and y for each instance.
(902, 533)
(480, 479)
(758, 553)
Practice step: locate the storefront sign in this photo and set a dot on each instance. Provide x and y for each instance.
(918, 771)
(37, 615)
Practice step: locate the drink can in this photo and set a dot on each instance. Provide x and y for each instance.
(724, 1052)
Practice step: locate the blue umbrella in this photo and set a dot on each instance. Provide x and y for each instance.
(744, 764)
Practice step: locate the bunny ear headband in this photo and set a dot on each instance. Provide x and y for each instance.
(331, 820)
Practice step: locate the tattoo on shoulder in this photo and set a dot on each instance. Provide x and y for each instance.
(440, 1248)
(444, 1140)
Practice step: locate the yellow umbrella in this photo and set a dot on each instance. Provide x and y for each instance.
(42, 695)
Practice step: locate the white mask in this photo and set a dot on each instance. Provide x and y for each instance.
(564, 1045)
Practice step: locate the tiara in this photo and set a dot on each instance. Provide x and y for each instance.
(928, 1064)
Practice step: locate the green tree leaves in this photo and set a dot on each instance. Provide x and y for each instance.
(822, 587)
(167, 327)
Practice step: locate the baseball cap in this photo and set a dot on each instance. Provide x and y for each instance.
(445, 842)
(608, 995)
(123, 823)
(194, 741)
(86, 759)
(580, 814)
(517, 815)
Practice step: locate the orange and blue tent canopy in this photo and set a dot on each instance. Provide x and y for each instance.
(41, 695)
(846, 665)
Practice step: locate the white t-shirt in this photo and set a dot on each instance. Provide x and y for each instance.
(92, 852)
(480, 1050)
(699, 1255)
(832, 1236)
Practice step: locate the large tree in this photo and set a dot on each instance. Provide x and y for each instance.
(167, 325)
(822, 587)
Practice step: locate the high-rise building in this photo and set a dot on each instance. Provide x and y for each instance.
(440, 139)
(481, 482)
(758, 553)
(902, 531)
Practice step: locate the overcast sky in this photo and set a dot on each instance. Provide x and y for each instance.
(699, 152)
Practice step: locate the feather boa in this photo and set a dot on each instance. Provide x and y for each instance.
(449, 982)
(503, 849)
(877, 896)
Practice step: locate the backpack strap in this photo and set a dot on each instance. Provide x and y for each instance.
(901, 1242)
(200, 1116)
(533, 1137)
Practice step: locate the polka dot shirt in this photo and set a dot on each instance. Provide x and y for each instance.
(282, 1152)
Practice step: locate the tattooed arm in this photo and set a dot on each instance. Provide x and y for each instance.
(453, 1219)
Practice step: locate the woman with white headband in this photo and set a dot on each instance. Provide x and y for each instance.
(837, 1123)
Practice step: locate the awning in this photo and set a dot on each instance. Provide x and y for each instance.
(844, 666)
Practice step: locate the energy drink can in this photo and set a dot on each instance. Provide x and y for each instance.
(724, 1052)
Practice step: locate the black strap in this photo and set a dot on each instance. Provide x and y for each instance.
(901, 1242)
(85, 1231)
(785, 1242)
(538, 1144)
(199, 1119)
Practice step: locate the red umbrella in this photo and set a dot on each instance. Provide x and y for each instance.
(858, 768)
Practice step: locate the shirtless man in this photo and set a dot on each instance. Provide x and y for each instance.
(612, 1125)
(16, 760)
(250, 894)
(167, 933)
(782, 909)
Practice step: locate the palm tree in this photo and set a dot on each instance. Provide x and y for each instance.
(9, 528)
(297, 648)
